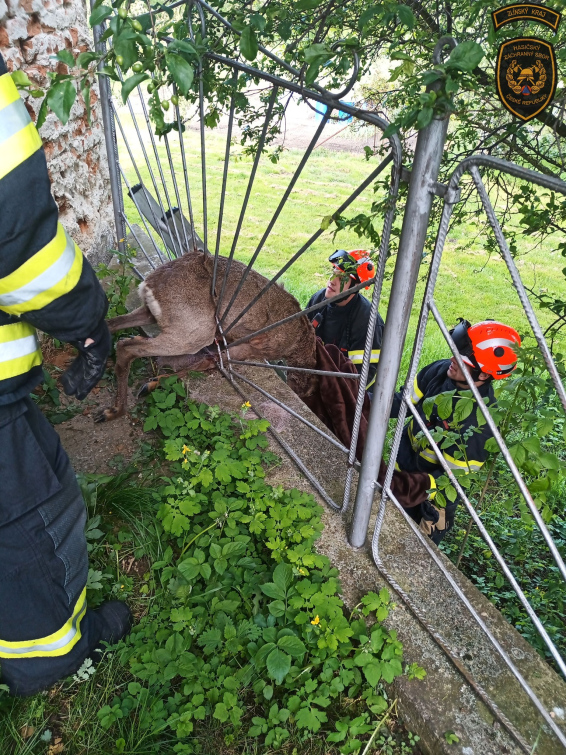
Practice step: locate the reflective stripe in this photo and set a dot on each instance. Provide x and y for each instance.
(469, 466)
(8, 91)
(13, 119)
(19, 349)
(58, 643)
(429, 455)
(357, 357)
(432, 494)
(49, 274)
(18, 136)
(493, 342)
(416, 393)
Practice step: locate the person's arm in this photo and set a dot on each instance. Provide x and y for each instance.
(44, 279)
(357, 341)
(417, 392)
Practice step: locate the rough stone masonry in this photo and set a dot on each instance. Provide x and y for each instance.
(31, 31)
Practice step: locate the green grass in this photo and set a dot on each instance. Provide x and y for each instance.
(472, 283)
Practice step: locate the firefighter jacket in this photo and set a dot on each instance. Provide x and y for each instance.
(45, 282)
(413, 457)
(346, 327)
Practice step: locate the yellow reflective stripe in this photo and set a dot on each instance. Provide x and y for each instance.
(429, 455)
(58, 643)
(8, 91)
(357, 357)
(432, 494)
(19, 349)
(18, 148)
(49, 274)
(469, 466)
(372, 381)
(416, 393)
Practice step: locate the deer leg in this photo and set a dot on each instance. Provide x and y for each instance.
(165, 344)
(134, 319)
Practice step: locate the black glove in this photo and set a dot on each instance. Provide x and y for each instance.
(437, 522)
(88, 367)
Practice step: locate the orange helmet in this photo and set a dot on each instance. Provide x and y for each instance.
(356, 262)
(487, 346)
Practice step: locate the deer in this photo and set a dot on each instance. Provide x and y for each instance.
(178, 297)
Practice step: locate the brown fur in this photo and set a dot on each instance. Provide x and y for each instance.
(178, 297)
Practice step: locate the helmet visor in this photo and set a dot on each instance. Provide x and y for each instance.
(463, 342)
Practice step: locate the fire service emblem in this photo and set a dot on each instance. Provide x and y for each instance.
(526, 76)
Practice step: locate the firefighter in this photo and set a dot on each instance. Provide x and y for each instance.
(46, 628)
(345, 323)
(488, 351)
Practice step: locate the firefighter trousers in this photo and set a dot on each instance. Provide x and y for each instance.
(46, 630)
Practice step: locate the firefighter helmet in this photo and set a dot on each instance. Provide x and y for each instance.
(488, 346)
(356, 263)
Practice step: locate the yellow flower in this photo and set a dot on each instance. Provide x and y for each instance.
(302, 571)
(246, 405)
(316, 620)
(186, 449)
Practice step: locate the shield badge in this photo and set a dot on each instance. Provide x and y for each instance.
(526, 76)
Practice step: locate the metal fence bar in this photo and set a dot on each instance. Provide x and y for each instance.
(297, 369)
(186, 174)
(373, 175)
(518, 285)
(302, 312)
(464, 599)
(289, 451)
(128, 186)
(428, 154)
(257, 158)
(224, 183)
(277, 212)
(374, 311)
(161, 174)
(178, 198)
(292, 412)
(110, 139)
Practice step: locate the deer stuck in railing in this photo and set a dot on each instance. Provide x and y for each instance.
(177, 296)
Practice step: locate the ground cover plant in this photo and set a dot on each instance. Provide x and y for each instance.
(242, 642)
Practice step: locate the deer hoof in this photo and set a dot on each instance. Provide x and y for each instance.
(107, 415)
(148, 387)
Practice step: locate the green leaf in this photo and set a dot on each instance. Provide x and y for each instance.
(248, 43)
(318, 53)
(131, 83)
(463, 409)
(283, 576)
(85, 58)
(99, 15)
(272, 591)
(292, 645)
(466, 56)
(372, 672)
(221, 712)
(406, 16)
(278, 665)
(325, 222)
(60, 99)
(444, 402)
(181, 71)
(20, 79)
(65, 56)
(549, 461)
(307, 4)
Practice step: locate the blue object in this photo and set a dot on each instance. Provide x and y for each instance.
(321, 109)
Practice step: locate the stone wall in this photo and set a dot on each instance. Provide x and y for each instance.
(30, 32)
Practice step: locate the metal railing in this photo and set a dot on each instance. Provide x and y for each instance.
(165, 207)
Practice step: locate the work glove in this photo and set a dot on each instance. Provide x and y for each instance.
(89, 365)
(436, 522)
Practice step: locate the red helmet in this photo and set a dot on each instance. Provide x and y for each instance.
(488, 346)
(356, 262)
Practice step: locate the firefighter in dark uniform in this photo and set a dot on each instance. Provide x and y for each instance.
(345, 323)
(487, 349)
(46, 629)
